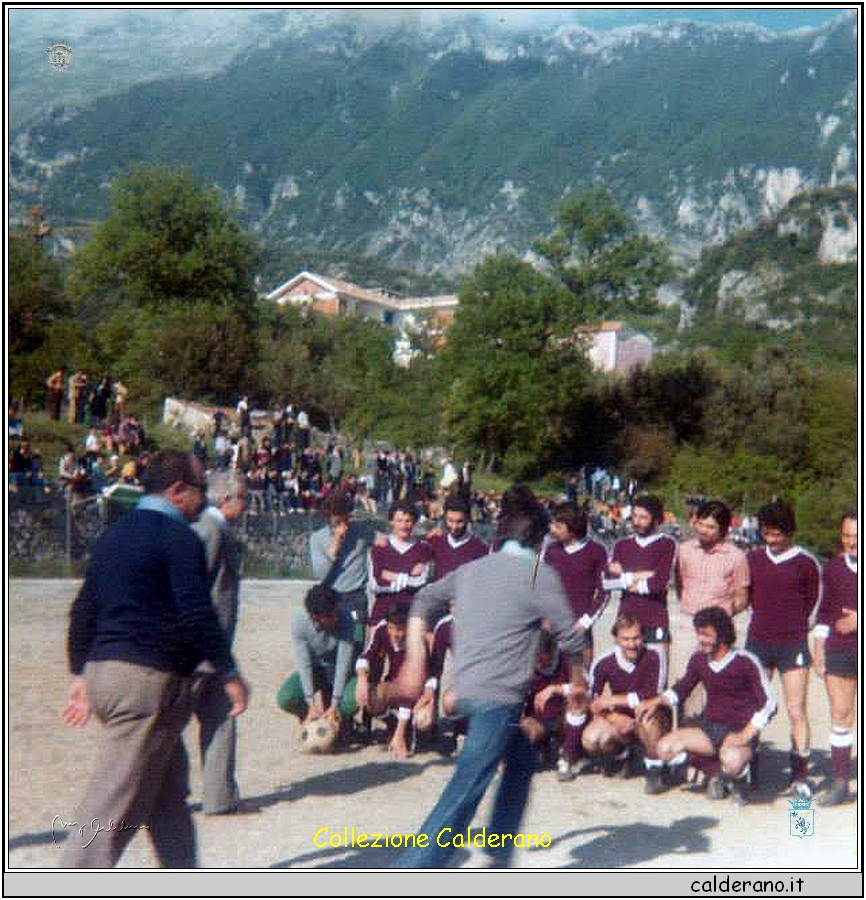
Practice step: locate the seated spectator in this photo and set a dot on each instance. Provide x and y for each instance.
(92, 443)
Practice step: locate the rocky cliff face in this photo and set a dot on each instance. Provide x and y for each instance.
(434, 146)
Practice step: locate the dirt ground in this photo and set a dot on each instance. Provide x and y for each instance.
(593, 822)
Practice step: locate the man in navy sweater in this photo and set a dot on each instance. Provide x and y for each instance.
(141, 623)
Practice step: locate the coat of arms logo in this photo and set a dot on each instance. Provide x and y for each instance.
(802, 818)
(59, 55)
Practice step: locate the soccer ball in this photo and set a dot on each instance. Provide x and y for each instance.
(318, 737)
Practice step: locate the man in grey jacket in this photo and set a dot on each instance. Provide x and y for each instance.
(227, 493)
(501, 602)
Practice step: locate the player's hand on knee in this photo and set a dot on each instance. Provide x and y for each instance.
(76, 712)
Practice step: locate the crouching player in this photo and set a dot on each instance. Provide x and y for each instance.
(632, 672)
(549, 686)
(425, 716)
(376, 668)
(739, 705)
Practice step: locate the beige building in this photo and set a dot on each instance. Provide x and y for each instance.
(614, 348)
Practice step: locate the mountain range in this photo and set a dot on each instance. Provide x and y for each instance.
(431, 147)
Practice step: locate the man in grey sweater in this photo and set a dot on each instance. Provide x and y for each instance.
(501, 602)
(323, 644)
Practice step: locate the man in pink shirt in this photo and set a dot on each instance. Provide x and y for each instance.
(710, 571)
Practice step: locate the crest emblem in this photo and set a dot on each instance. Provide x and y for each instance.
(802, 818)
(59, 55)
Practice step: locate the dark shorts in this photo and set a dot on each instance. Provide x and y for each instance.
(784, 657)
(717, 732)
(656, 634)
(842, 663)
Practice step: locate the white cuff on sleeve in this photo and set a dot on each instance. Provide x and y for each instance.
(566, 689)
(633, 700)
(362, 665)
(759, 721)
(627, 580)
(431, 684)
(585, 622)
(672, 697)
(822, 632)
(404, 714)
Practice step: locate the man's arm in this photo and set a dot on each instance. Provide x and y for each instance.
(301, 653)
(82, 625)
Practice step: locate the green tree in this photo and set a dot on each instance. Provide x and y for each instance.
(167, 240)
(609, 268)
(37, 302)
(510, 367)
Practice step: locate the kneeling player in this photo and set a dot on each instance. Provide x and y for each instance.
(739, 705)
(632, 672)
(376, 667)
(550, 684)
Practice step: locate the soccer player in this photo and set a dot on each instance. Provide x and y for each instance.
(785, 587)
(739, 706)
(836, 656)
(632, 672)
(458, 545)
(549, 686)
(641, 566)
(379, 663)
(400, 566)
(580, 562)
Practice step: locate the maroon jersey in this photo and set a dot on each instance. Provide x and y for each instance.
(559, 672)
(738, 691)
(443, 635)
(840, 592)
(645, 677)
(654, 554)
(581, 568)
(381, 656)
(400, 558)
(783, 592)
(449, 554)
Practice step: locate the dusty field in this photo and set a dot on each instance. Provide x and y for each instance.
(594, 822)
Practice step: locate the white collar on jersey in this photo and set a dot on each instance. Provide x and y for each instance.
(718, 666)
(851, 562)
(575, 546)
(622, 662)
(649, 539)
(398, 545)
(790, 553)
(457, 544)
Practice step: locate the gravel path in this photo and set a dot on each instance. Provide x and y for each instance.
(593, 822)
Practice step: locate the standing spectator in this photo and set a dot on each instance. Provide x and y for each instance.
(222, 451)
(303, 426)
(836, 656)
(219, 418)
(141, 622)
(449, 476)
(16, 424)
(244, 420)
(199, 448)
(227, 494)
(22, 465)
(77, 397)
(121, 392)
(55, 385)
(100, 398)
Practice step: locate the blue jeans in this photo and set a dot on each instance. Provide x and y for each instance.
(493, 734)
